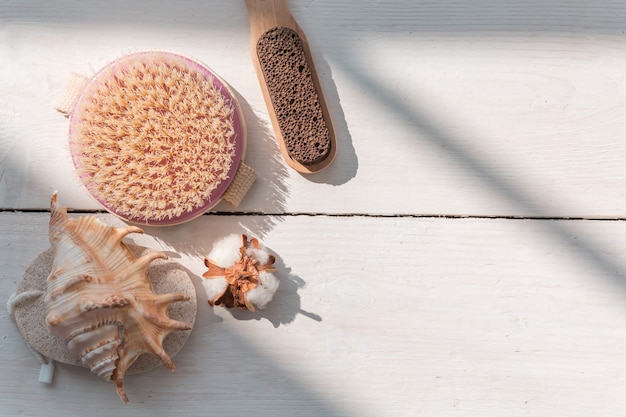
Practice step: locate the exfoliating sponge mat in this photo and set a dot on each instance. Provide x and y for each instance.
(156, 138)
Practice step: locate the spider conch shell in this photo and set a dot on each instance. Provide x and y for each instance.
(240, 274)
(99, 299)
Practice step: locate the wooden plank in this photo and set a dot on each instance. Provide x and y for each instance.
(461, 108)
(374, 316)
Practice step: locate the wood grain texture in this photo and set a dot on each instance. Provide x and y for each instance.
(373, 317)
(467, 108)
(480, 108)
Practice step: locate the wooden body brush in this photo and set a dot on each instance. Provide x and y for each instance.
(157, 138)
(290, 85)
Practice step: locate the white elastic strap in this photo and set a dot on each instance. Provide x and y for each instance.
(47, 365)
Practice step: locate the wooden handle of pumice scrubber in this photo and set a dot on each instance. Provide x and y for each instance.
(291, 88)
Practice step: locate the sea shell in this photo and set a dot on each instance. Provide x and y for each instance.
(99, 299)
(240, 274)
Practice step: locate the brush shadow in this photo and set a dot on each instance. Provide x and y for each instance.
(195, 238)
(268, 194)
(270, 191)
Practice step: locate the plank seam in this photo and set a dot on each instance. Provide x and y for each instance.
(350, 215)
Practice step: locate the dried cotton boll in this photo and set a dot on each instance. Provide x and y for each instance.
(240, 274)
(262, 294)
(261, 254)
(214, 287)
(225, 252)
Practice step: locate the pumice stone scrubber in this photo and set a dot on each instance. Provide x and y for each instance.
(291, 88)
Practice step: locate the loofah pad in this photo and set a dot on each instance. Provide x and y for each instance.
(296, 102)
(166, 277)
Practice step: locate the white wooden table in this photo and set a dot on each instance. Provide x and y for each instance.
(464, 255)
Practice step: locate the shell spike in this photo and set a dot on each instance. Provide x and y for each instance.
(145, 260)
(121, 233)
(167, 299)
(55, 206)
(165, 358)
(58, 217)
(119, 387)
(158, 319)
(173, 324)
(180, 325)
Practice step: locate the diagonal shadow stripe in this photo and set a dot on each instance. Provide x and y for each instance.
(584, 246)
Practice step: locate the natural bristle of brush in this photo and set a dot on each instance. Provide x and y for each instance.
(152, 136)
(290, 84)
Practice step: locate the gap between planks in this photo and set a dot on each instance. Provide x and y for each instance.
(363, 215)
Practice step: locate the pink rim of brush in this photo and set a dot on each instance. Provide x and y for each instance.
(239, 140)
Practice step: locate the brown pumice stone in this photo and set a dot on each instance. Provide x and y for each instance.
(295, 99)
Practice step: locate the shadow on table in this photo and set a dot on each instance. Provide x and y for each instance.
(285, 305)
(346, 163)
(520, 22)
(269, 191)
